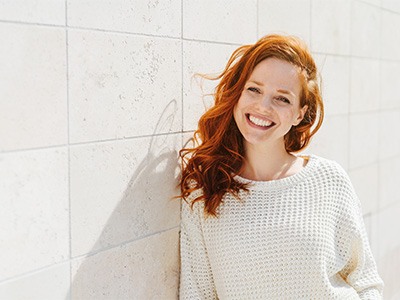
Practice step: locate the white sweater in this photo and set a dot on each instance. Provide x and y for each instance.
(300, 237)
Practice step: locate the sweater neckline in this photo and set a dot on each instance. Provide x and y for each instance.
(285, 182)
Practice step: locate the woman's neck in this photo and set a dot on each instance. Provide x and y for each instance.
(269, 162)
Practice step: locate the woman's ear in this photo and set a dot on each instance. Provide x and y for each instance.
(301, 115)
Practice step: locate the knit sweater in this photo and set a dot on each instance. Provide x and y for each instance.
(299, 237)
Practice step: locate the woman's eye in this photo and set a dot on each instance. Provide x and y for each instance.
(283, 99)
(254, 89)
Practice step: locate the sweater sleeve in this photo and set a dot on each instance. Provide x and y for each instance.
(196, 280)
(361, 270)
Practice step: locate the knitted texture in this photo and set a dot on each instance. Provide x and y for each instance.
(300, 237)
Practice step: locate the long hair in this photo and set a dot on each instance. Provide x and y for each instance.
(218, 154)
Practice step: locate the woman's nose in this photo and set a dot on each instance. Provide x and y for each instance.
(266, 102)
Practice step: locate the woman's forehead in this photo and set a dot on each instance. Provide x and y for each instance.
(278, 74)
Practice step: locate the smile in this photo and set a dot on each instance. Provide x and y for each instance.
(259, 122)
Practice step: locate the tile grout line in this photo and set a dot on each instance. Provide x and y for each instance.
(257, 19)
(16, 22)
(349, 64)
(189, 39)
(124, 243)
(68, 260)
(89, 254)
(110, 31)
(182, 99)
(310, 27)
(69, 153)
(94, 142)
(369, 4)
(378, 205)
(34, 271)
(182, 66)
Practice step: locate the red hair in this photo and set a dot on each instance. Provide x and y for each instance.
(219, 154)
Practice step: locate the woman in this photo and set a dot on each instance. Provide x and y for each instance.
(259, 222)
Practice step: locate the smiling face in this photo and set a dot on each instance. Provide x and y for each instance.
(270, 103)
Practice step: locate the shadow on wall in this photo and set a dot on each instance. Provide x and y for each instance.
(147, 268)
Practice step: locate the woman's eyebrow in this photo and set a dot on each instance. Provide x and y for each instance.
(256, 82)
(285, 92)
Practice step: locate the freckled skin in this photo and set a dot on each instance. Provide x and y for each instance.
(263, 98)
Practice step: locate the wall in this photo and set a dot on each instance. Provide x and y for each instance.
(96, 98)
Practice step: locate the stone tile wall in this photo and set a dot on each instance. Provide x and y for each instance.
(97, 97)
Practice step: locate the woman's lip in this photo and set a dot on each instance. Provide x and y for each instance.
(258, 126)
(259, 117)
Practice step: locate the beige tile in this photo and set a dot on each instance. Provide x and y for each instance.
(331, 141)
(364, 88)
(49, 283)
(121, 85)
(387, 223)
(365, 181)
(389, 139)
(201, 58)
(365, 30)
(34, 218)
(390, 80)
(335, 87)
(371, 223)
(372, 2)
(392, 5)
(283, 17)
(122, 191)
(330, 26)
(37, 11)
(389, 267)
(33, 85)
(147, 17)
(144, 269)
(363, 139)
(220, 21)
(389, 174)
(187, 139)
(396, 292)
(390, 38)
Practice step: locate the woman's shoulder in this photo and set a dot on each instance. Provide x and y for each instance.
(326, 163)
(189, 200)
(332, 178)
(329, 169)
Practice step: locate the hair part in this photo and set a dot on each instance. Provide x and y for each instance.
(218, 154)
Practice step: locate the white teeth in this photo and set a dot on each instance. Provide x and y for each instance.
(259, 122)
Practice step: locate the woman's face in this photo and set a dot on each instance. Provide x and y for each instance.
(270, 102)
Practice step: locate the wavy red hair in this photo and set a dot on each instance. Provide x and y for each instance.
(218, 153)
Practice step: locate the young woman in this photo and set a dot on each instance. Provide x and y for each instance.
(259, 222)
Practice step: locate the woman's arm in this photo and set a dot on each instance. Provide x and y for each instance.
(361, 270)
(196, 280)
